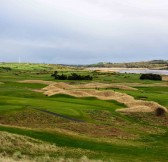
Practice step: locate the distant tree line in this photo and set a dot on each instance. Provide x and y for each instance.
(73, 76)
(150, 77)
(156, 64)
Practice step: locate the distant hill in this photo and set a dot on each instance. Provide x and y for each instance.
(154, 64)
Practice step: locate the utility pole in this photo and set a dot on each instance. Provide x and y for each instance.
(19, 59)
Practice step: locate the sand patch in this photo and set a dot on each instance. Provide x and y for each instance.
(136, 109)
(63, 85)
(87, 90)
(102, 85)
(165, 78)
(92, 90)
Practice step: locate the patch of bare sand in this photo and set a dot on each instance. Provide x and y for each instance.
(91, 90)
(60, 85)
(103, 85)
(133, 105)
(136, 109)
(80, 86)
(165, 78)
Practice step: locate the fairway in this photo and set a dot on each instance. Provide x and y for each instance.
(80, 120)
(83, 81)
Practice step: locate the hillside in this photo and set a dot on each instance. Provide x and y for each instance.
(113, 117)
(155, 64)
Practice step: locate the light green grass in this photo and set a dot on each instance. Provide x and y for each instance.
(17, 97)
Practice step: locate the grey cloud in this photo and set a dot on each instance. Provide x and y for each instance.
(83, 31)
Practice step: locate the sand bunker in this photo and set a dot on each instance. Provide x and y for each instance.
(86, 90)
(92, 90)
(165, 78)
(102, 85)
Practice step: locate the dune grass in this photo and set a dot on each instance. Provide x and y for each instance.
(151, 93)
(143, 139)
(103, 149)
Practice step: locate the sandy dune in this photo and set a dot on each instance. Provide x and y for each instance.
(92, 90)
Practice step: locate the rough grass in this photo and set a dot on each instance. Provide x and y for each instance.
(105, 134)
(104, 150)
(29, 146)
(48, 159)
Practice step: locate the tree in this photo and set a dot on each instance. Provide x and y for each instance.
(73, 76)
(150, 77)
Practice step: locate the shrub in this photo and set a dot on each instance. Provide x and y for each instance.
(73, 76)
(6, 68)
(150, 77)
(160, 112)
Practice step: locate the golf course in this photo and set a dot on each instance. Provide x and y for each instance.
(113, 117)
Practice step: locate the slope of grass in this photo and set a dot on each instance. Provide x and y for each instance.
(141, 137)
(103, 149)
(151, 93)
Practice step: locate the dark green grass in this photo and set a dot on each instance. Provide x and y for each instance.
(66, 106)
(20, 95)
(15, 97)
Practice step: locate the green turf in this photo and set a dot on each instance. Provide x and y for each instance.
(144, 152)
(17, 97)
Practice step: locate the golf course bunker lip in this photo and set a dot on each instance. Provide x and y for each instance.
(132, 104)
(103, 85)
(92, 90)
(59, 115)
(95, 85)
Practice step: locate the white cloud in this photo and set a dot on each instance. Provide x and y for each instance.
(95, 17)
(94, 26)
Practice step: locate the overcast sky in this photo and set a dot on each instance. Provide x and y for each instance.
(83, 31)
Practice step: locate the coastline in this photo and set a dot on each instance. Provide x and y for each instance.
(105, 69)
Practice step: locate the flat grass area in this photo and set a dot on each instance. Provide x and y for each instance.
(107, 134)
